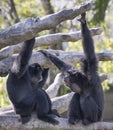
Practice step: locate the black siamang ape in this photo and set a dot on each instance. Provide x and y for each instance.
(24, 86)
(87, 103)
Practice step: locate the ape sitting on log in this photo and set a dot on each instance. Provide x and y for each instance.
(87, 104)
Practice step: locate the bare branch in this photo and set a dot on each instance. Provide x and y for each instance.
(52, 90)
(71, 57)
(4, 15)
(61, 103)
(47, 6)
(30, 27)
(13, 11)
(47, 40)
(64, 37)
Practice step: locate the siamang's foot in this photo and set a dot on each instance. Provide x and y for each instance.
(85, 122)
(55, 122)
(49, 119)
(25, 119)
(55, 112)
(83, 18)
(73, 121)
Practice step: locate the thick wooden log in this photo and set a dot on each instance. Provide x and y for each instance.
(48, 40)
(28, 28)
(71, 57)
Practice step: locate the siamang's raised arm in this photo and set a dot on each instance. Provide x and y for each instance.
(84, 66)
(21, 62)
(44, 77)
(88, 46)
(62, 66)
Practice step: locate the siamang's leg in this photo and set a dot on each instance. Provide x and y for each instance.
(25, 107)
(24, 113)
(89, 110)
(42, 108)
(55, 112)
(84, 66)
(59, 63)
(25, 118)
(75, 113)
(51, 111)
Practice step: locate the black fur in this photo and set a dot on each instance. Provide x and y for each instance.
(87, 103)
(24, 86)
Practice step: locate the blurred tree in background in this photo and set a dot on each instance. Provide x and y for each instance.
(13, 11)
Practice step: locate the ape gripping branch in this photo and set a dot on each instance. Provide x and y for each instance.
(23, 31)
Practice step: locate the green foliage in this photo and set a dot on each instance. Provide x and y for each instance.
(24, 10)
(28, 8)
(63, 90)
(99, 11)
(4, 100)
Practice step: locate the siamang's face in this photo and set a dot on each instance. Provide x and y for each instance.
(35, 72)
(75, 80)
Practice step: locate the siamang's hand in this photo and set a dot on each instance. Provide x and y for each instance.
(46, 53)
(83, 18)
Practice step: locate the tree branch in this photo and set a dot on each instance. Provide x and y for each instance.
(47, 40)
(71, 57)
(28, 28)
(52, 90)
(13, 11)
(9, 122)
(4, 15)
(47, 6)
